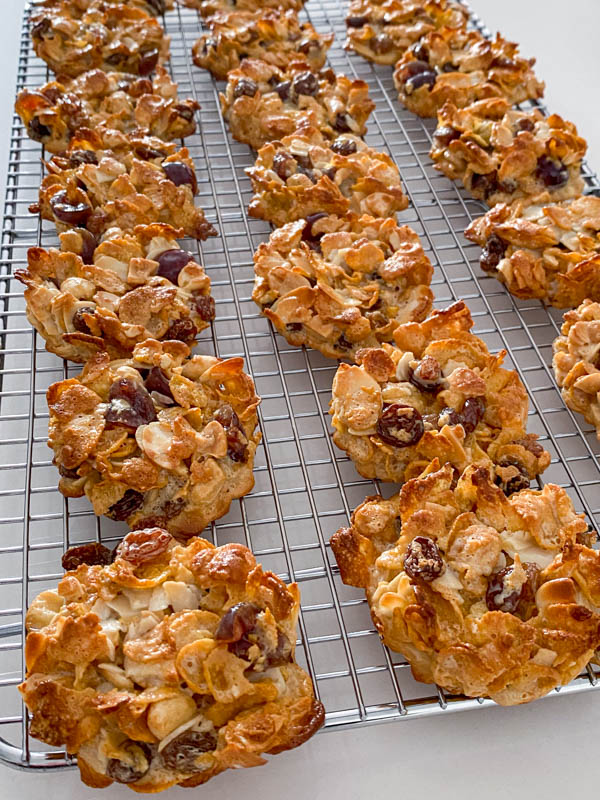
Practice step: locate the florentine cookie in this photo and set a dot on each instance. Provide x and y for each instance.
(545, 250)
(100, 189)
(154, 7)
(483, 595)
(501, 154)
(460, 67)
(168, 665)
(339, 284)
(577, 361)
(276, 37)
(156, 439)
(262, 103)
(208, 8)
(99, 100)
(438, 393)
(382, 32)
(306, 173)
(111, 295)
(109, 37)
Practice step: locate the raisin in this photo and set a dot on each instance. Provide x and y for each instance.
(142, 546)
(400, 425)
(72, 213)
(89, 554)
(125, 507)
(485, 184)
(237, 444)
(446, 134)
(67, 473)
(148, 62)
(181, 753)
(357, 22)
(492, 254)
(157, 381)
(551, 173)
(496, 596)
(130, 405)
(205, 306)
(427, 375)
(423, 559)
(448, 67)
(171, 262)
(79, 323)
(340, 123)
(173, 507)
(343, 343)
(305, 83)
(245, 87)
(125, 772)
(344, 147)
(526, 124)
(308, 235)
(516, 483)
(184, 111)
(79, 157)
(88, 246)
(180, 174)
(422, 79)
(306, 45)
(182, 330)
(37, 131)
(239, 620)
(421, 54)
(284, 165)
(149, 153)
(283, 89)
(472, 413)
(294, 326)
(282, 653)
(448, 416)
(381, 43)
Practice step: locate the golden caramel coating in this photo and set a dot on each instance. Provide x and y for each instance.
(111, 295)
(501, 154)
(461, 67)
(577, 361)
(106, 36)
(483, 595)
(262, 103)
(543, 249)
(160, 438)
(167, 666)
(209, 8)
(438, 393)
(124, 187)
(340, 284)
(78, 7)
(383, 32)
(306, 173)
(101, 100)
(276, 37)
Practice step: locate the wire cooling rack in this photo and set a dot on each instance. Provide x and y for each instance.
(305, 488)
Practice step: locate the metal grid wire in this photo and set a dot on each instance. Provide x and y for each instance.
(305, 488)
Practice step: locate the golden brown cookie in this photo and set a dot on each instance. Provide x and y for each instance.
(306, 173)
(99, 100)
(501, 154)
(577, 361)
(274, 36)
(99, 188)
(106, 36)
(110, 295)
(262, 103)
(167, 666)
(438, 393)
(160, 438)
(154, 7)
(339, 284)
(461, 67)
(383, 31)
(543, 250)
(482, 594)
(208, 8)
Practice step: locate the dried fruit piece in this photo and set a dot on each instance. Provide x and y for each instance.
(145, 545)
(130, 405)
(423, 560)
(181, 753)
(92, 553)
(124, 507)
(400, 425)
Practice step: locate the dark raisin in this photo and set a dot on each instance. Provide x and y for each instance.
(343, 147)
(180, 174)
(446, 134)
(130, 405)
(239, 620)
(427, 375)
(357, 22)
(125, 507)
(148, 62)
(284, 165)
(282, 653)
(305, 83)
(79, 323)
(423, 560)
(504, 63)
(448, 416)
(551, 173)
(340, 123)
(88, 246)
(422, 79)
(157, 6)
(421, 53)
(136, 766)
(472, 413)
(448, 67)
(517, 482)
(158, 381)
(283, 89)
(205, 306)
(72, 213)
(182, 330)
(78, 157)
(181, 753)
(245, 87)
(89, 554)
(184, 111)
(237, 444)
(492, 254)
(308, 234)
(382, 43)
(171, 262)
(497, 598)
(400, 425)
(142, 546)
(37, 131)
(526, 124)
(149, 153)
(306, 45)
(173, 507)
(67, 473)
(485, 184)
(294, 326)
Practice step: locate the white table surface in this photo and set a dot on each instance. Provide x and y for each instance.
(544, 750)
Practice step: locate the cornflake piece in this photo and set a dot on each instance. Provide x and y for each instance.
(483, 595)
(106, 36)
(438, 393)
(132, 184)
(543, 250)
(101, 100)
(460, 67)
(501, 154)
(168, 666)
(382, 32)
(577, 361)
(111, 295)
(306, 173)
(160, 438)
(276, 37)
(208, 8)
(262, 103)
(341, 284)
